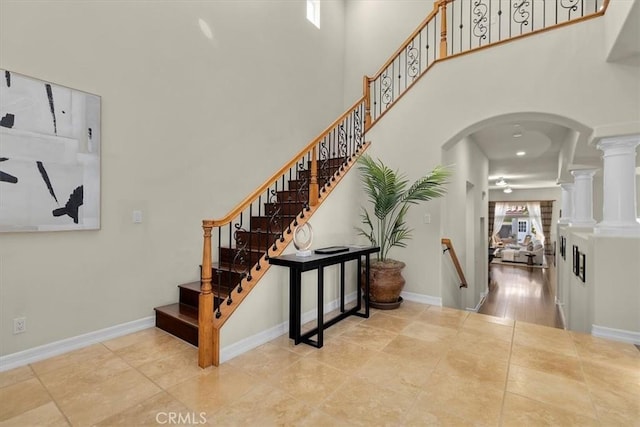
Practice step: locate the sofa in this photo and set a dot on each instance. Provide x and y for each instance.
(520, 253)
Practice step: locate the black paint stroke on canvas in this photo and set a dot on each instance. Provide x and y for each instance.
(52, 107)
(5, 177)
(76, 199)
(45, 177)
(7, 121)
(7, 76)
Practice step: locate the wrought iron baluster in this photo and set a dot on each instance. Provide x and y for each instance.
(499, 20)
(249, 277)
(521, 15)
(569, 6)
(480, 21)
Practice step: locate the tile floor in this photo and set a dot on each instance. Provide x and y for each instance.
(419, 365)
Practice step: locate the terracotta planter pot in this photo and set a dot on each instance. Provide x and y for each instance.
(385, 284)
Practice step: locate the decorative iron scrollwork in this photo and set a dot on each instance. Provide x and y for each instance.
(413, 60)
(520, 13)
(241, 259)
(569, 6)
(386, 89)
(480, 28)
(357, 128)
(342, 140)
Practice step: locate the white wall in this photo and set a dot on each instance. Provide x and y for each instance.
(374, 30)
(190, 126)
(468, 188)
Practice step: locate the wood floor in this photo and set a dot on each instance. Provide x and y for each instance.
(522, 293)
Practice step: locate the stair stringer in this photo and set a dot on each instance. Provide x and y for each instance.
(257, 274)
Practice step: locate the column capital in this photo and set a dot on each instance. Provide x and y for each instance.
(583, 173)
(619, 145)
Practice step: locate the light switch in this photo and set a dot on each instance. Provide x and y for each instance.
(427, 219)
(137, 217)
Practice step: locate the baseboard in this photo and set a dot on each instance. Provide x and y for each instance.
(561, 311)
(423, 299)
(631, 337)
(249, 343)
(483, 296)
(56, 348)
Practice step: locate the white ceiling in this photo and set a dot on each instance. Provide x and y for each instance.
(541, 141)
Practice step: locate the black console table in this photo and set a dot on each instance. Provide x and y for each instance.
(297, 265)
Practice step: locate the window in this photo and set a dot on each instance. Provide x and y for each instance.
(313, 12)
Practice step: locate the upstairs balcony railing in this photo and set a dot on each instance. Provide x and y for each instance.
(456, 27)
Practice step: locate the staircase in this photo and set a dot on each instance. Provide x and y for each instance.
(269, 226)
(237, 247)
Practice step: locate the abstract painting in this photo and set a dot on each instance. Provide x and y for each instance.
(49, 156)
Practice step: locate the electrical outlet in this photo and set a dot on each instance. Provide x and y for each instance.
(19, 325)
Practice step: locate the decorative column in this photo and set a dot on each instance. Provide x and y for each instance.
(583, 198)
(567, 203)
(619, 202)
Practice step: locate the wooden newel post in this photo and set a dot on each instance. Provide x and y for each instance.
(313, 184)
(443, 28)
(205, 303)
(367, 102)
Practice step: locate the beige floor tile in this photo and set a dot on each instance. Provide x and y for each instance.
(269, 407)
(396, 373)
(416, 349)
(15, 375)
(68, 381)
(47, 415)
(176, 368)
(483, 324)
(544, 338)
(594, 349)
(22, 397)
(572, 396)
(134, 338)
(209, 393)
(384, 321)
(159, 409)
(266, 360)
(309, 380)
(154, 347)
(520, 411)
(95, 402)
(341, 354)
(73, 358)
(474, 367)
(371, 338)
(429, 333)
(547, 361)
(615, 392)
(472, 401)
(442, 316)
(489, 347)
(419, 415)
(409, 310)
(318, 418)
(362, 403)
(492, 319)
(286, 343)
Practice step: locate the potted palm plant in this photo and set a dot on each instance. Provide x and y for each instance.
(391, 196)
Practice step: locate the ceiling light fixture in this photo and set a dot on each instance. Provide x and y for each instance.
(501, 182)
(517, 131)
(521, 153)
(507, 190)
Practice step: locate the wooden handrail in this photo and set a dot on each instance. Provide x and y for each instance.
(456, 262)
(253, 196)
(434, 12)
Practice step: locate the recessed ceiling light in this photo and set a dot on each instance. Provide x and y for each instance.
(521, 153)
(517, 134)
(507, 190)
(501, 182)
